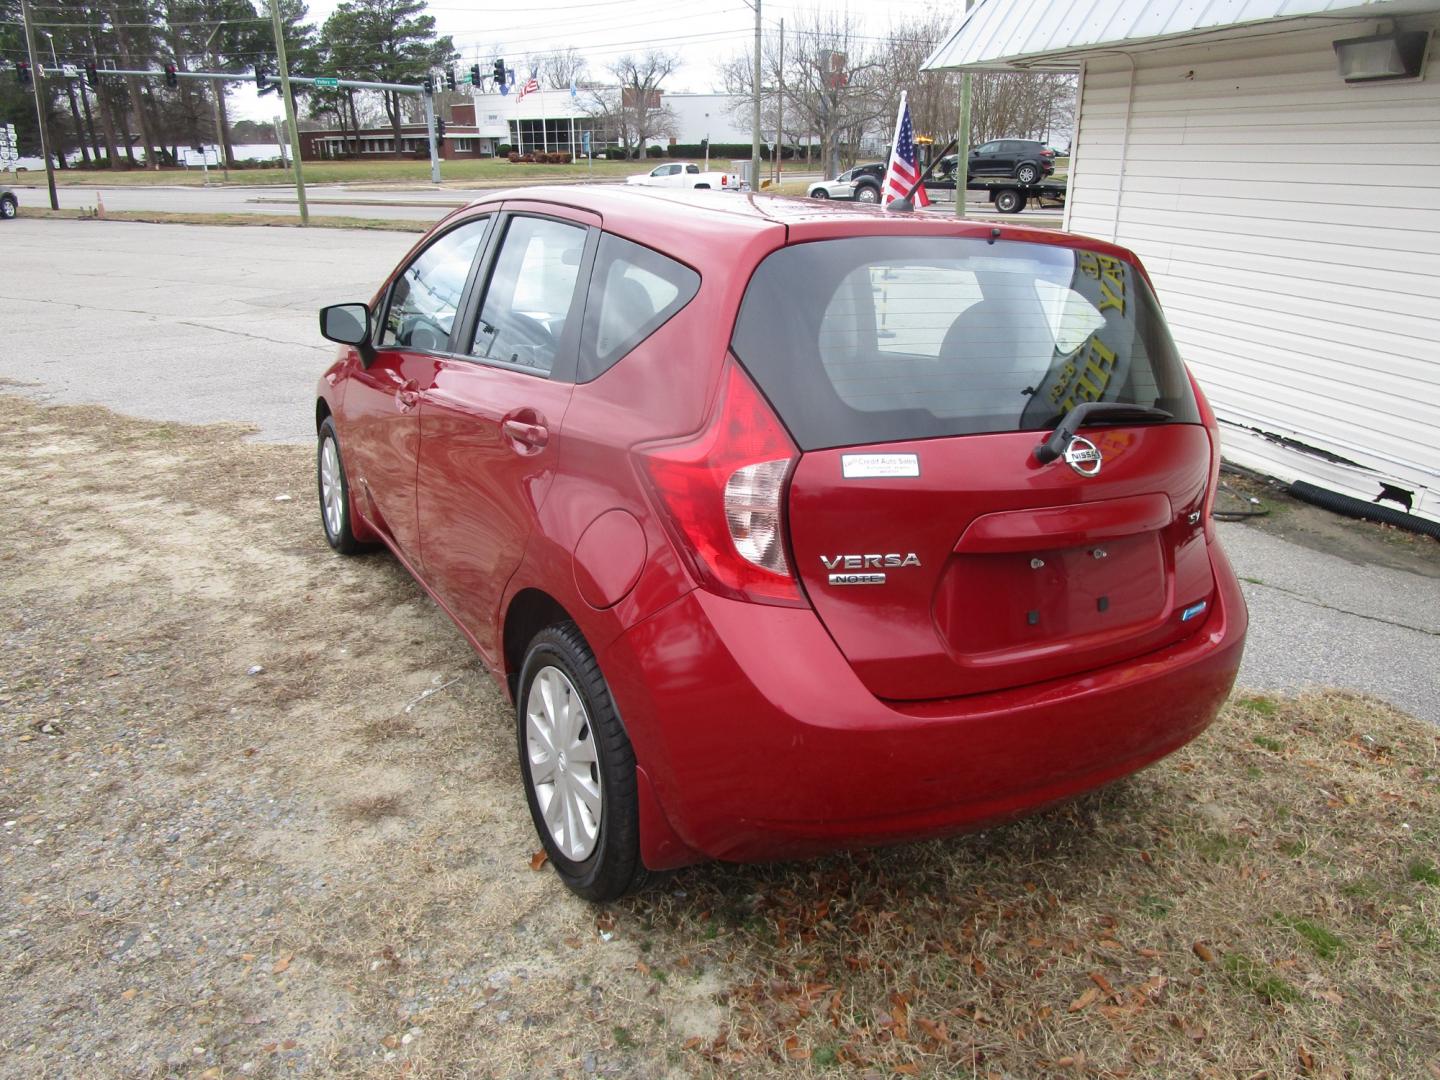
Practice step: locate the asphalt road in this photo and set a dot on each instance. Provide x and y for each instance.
(338, 200)
(200, 324)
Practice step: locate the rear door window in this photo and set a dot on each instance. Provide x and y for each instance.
(530, 294)
(633, 292)
(882, 339)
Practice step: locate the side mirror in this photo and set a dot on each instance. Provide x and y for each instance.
(348, 324)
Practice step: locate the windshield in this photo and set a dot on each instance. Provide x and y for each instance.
(881, 339)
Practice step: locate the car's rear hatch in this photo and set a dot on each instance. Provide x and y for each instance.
(917, 376)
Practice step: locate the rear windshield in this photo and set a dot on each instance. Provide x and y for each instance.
(881, 339)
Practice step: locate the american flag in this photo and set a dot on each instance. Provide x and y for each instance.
(529, 88)
(904, 169)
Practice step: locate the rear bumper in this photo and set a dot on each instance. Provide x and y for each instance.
(758, 741)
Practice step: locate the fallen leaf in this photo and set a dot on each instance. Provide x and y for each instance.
(289, 1044)
(1149, 954)
(908, 1069)
(539, 859)
(642, 967)
(934, 1030)
(1203, 951)
(794, 1051)
(390, 1042)
(280, 965)
(129, 995)
(1085, 1000)
(691, 1043)
(1307, 1060)
(1104, 985)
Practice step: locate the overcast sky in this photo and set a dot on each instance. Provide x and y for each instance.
(704, 33)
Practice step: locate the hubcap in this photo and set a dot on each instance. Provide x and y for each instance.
(332, 493)
(564, 770)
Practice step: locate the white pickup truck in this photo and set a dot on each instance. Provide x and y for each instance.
(685, 174)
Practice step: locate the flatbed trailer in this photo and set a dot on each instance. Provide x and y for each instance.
(1010, 196)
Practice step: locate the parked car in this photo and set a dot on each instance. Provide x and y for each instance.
(786, 531)
(861, 184)
(685, 174)
(1024, 160)
(9, 204)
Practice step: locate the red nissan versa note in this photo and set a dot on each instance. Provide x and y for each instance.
(788, 527)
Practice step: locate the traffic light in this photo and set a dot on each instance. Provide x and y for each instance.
(429, 85)
(450, 79)
(499, 73)
(22, 72)
(439, 129)
(171, 79)
(92, 75)
(475, 75)
(263, 85)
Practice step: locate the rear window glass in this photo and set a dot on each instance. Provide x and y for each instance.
(880, 339)
(633, 292)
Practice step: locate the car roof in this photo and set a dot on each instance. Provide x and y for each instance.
(671, 220)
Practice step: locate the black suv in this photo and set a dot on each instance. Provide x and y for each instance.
(1025, 160)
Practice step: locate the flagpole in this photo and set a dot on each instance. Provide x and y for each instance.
(544, 127)
(885, 197)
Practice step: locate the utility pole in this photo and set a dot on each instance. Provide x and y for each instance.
(289, 110)
(780, 106)
(38, 81)
(429, 100)
(962, 141)
(755, 118)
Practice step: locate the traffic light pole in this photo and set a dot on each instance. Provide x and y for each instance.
(429, 100)
(38, 81)
(289, 111)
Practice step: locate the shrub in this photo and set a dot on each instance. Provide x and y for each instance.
(513, 157)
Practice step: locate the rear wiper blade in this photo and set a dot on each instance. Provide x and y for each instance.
(1093, 412)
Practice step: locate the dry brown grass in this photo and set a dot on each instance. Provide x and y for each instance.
(291, 873)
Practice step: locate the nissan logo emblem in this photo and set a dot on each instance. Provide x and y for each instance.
(1083, 456)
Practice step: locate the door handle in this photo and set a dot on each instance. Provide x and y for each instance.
(406, 396)
(525, 438)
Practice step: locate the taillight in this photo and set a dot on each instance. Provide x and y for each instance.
(1212, 428)
(724, 180)
(723, 495)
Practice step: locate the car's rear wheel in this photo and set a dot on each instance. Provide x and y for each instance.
(8, 206)
(1027, 173)
(702, 187)
(1009, 202)
(334, 490)
(867, 194)
(578, 767)
(819, 193)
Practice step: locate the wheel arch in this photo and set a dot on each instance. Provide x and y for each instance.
(322, 412)
(530, 611)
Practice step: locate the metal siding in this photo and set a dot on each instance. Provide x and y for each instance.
(1001, 32)
(1290, 224)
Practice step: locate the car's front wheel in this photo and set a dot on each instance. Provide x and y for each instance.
(578, 767)
(334, 491)
(1027, 173)
(819, 193)
(867, 194)
(9, 207)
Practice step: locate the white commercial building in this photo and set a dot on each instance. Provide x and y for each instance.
(1281, 181)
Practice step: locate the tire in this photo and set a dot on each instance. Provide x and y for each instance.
(1027, 173)
(1009, 201)
(596, 847)
(330, 480)
(819, 193)
(867, 194)
(8, 207)
(702, 187)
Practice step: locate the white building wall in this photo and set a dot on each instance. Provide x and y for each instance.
(711, 116)
(1292, 225)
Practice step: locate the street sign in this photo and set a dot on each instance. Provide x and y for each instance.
(327, 84)
(70, 71)
(585, 142)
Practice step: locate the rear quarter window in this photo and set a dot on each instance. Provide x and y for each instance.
(882, 339)
(634, 291)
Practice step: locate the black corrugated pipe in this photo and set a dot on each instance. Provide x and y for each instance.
(1359, 508)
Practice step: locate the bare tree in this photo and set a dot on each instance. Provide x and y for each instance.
(633, 109)
(560, 69)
